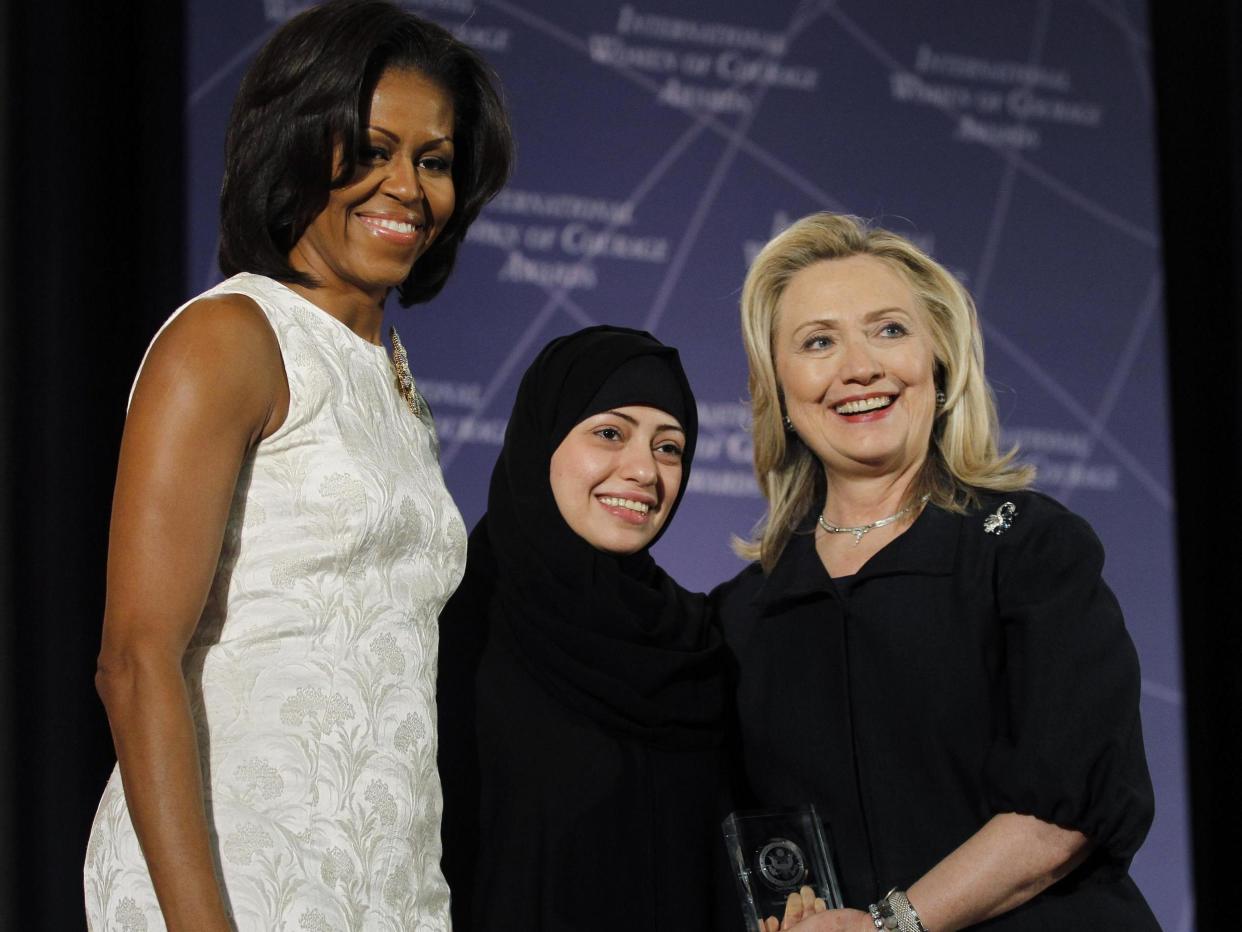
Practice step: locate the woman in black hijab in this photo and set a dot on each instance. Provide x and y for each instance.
(580, 691)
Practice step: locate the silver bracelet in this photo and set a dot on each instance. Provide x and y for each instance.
(896, 908)
(876, 919)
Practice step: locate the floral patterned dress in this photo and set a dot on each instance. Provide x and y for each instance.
(312, 671)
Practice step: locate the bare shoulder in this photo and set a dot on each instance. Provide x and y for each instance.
(220, 352)
(230, 327)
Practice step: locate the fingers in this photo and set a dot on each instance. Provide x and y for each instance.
(770, 925)
(793, 911)
(800, 905)
(808, 900)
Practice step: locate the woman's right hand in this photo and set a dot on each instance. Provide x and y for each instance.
(797, 906)
(212, 385)
(805, 912)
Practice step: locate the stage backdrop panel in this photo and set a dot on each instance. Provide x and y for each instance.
(661, 142)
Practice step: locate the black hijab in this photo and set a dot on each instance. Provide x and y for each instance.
(613, 637)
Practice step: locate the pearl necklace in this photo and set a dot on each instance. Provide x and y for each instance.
(862, 529)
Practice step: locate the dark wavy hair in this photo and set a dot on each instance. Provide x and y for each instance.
(306, 94)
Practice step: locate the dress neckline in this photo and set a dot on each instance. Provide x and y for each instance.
(336, 323)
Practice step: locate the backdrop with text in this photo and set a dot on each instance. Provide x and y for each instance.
(662, 142)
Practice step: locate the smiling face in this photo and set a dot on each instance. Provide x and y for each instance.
(853, 354)
(374, 228)
(616, 476)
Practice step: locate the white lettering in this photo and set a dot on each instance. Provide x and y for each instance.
(740, 448)
(910, 87)
(486, 232)
(1011, 135)
(456, 394)
(518, 268)
(1024, 104)
(580, 240)
(609, 50)
(470, 429)
(998, 72)
(721, 35)
(695, 97)
(486, 38)
(734, 483)
(562, 207)
(732, 67)
(734, 414)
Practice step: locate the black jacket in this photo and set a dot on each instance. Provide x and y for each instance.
(960, 673)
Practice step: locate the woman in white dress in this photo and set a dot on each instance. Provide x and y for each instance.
(282, 540)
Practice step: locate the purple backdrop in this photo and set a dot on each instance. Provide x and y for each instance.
(661, 142)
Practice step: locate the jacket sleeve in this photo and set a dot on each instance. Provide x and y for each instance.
(1071, 752)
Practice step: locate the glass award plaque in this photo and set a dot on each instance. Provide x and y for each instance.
(775, 852)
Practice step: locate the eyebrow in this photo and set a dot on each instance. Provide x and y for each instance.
(395, 138)
(868, 316)
(885, 311)
(634, 421)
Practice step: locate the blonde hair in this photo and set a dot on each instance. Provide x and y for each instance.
(962, 455)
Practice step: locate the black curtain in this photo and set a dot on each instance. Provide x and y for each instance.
(93, 219)
(7, 694)
(1198, 67)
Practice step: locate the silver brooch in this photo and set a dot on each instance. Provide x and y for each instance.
(1000, 520)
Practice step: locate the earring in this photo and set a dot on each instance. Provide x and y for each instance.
(788, 424)
(941, 398)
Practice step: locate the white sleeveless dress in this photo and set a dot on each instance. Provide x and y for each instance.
(313, 669)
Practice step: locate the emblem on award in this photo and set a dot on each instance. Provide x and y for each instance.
(781, 864)
(775, 852)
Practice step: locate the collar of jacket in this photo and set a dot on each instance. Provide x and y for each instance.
(927, 548)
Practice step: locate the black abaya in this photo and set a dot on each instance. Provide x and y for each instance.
(580, 696)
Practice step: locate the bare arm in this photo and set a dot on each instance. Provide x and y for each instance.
(212, 386)
(1011, 859)
(1007, 862)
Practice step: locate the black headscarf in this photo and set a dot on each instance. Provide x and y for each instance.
(613, 637)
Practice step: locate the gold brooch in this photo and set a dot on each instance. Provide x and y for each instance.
(405, 378)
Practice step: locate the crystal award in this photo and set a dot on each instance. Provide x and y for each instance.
(775, 852)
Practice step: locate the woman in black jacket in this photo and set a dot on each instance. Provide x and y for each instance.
(925, 649)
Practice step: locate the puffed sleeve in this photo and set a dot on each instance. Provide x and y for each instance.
(1071, 751)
